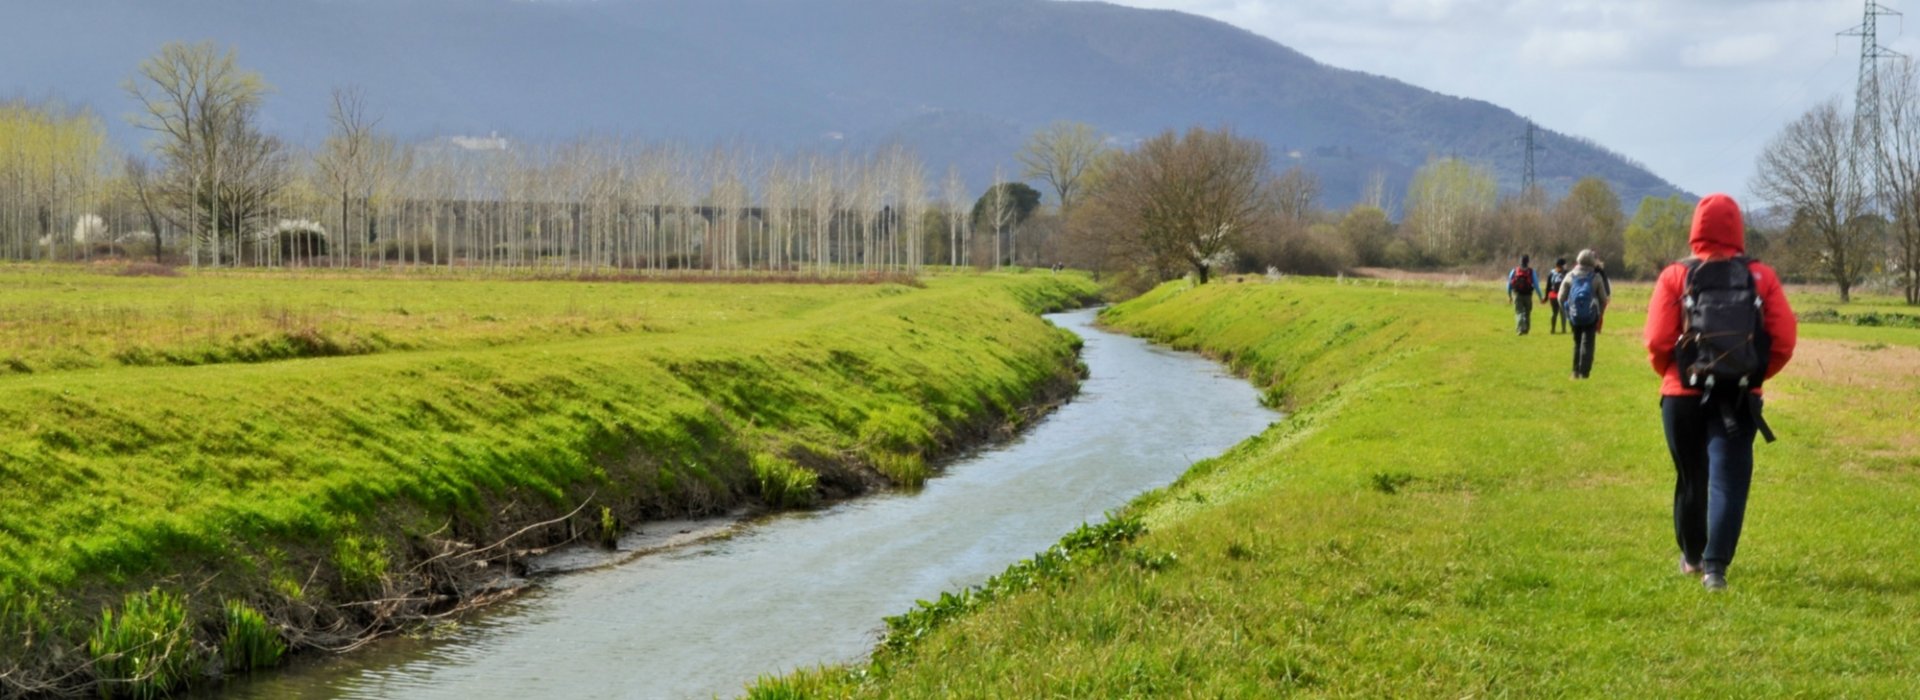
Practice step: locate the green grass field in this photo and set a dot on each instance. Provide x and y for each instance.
(476, 407)
(1446, 514)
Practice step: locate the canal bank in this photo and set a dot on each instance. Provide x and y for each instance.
(803, 589)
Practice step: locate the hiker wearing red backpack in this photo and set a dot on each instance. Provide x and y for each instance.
(1583, 295)
(1717, 328)
(1522, 286)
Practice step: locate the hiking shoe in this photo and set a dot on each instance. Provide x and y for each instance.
(1714, 582)
(1690, 569)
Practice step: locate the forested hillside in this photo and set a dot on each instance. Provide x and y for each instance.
(959, 81)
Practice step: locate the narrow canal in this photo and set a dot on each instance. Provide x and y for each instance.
(810, 588)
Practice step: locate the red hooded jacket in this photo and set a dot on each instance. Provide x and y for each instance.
(1718, 232)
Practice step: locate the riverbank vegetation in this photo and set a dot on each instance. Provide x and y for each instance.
(219, 468)
(1444, 513)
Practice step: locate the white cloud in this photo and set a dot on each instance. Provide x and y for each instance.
(1578, 48)
(1423, 10)
(1592, 67)
(1731, 52)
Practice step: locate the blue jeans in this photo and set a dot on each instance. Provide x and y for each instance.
(1715, 469)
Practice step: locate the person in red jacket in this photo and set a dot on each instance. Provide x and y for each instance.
(1711, 442)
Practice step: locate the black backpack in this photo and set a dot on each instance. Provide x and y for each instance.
(1723, 344)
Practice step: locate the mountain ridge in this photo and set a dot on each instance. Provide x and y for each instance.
(960, 80)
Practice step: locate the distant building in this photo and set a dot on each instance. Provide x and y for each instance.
(491, 142)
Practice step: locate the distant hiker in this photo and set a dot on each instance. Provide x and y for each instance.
(1554, 279)
(1600, 270)
(1522, 286)
(1717, 328)
(1584, 295)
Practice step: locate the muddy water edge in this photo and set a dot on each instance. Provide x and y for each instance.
(700, 608)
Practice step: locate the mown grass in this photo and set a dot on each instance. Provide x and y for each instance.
(1446, 514)
(64, 318)
(312, 482)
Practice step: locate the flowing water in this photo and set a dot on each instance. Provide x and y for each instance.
(803, 589)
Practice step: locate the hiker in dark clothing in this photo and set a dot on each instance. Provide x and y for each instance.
(1522, 286)
(1584, 296)
(1554, 278)
(1717, 328)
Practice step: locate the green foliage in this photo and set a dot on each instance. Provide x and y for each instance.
(146, 650)
(362, 562)
(1592, 214)
(1658, 233)
(1368, 234)
(1087, 543)
(1390, 482)
(250, 642)
(899, 429)
(896, 440)
(1021, 200)
(784, 484)
(609, 528)
(1870, 319)
(908, 470)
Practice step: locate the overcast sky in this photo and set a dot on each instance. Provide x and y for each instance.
(1692, 88)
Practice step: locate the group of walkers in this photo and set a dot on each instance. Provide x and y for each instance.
(1718, 327)
(1577, 297)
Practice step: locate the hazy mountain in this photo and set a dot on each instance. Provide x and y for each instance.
(960, 80)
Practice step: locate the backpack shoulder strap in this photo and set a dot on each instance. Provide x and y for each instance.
(1692, 264)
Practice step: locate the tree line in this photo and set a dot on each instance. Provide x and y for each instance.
(1840, 199)
(214, 189)
(1208, 201)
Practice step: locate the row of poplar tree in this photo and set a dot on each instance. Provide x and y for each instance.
(215, 189)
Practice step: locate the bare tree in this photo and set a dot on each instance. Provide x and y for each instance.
(823, 199)
(255, 168)
(141, 179)
(1189, 198)
(197, 99)
(1000, 212)
(1447, 198)
(1898, 162)
(911, 203)
(1061, 155)
(953, 194)
(1814, 168)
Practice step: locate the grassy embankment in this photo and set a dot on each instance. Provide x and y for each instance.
(1446, 514)
(232, 464)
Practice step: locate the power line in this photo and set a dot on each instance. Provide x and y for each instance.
(1866, 99)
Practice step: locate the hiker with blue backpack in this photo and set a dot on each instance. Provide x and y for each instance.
(1583, 298)
(1718, 327)
(1522, 286)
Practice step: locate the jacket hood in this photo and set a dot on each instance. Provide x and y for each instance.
(1718, 230)
(1585, 259)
